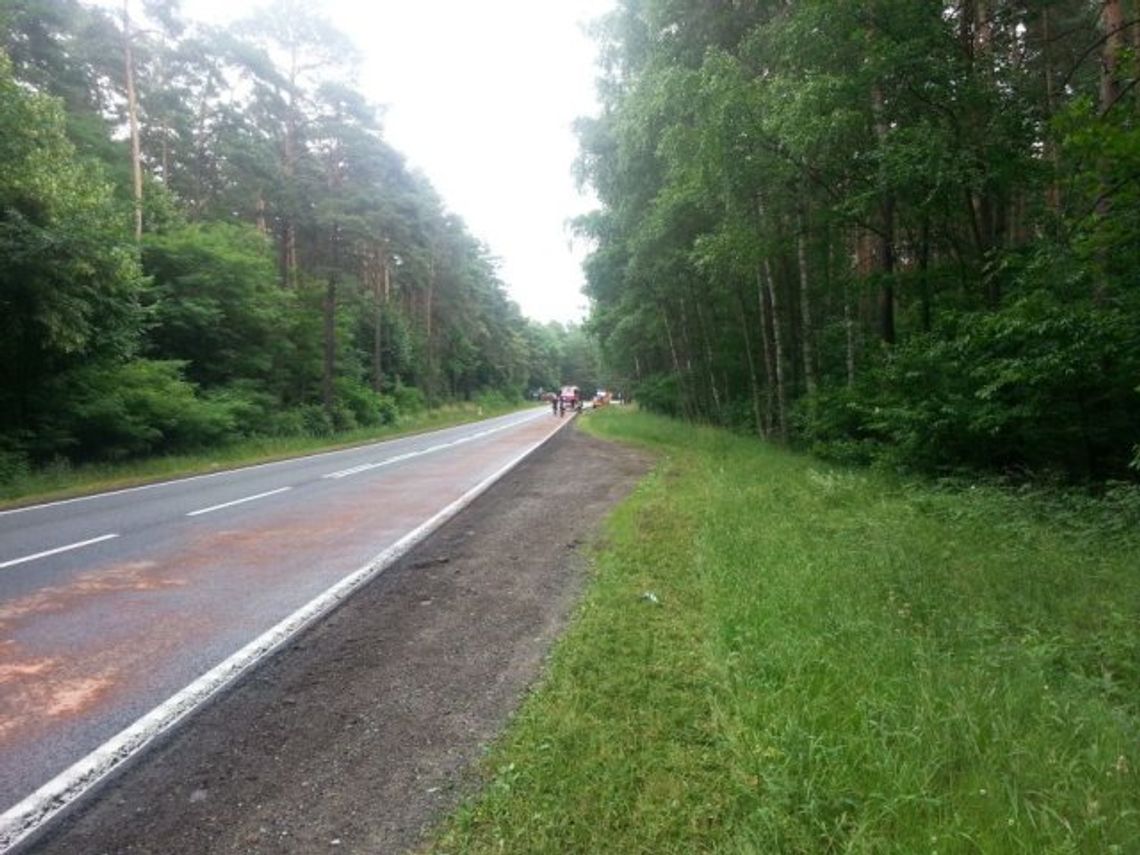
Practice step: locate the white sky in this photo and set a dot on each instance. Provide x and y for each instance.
(480, 95)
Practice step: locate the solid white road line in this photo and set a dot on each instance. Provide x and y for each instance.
(56, 551)
(201, 511)
(23, 819)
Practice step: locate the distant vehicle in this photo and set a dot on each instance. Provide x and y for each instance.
(602, 398)
(571, 397)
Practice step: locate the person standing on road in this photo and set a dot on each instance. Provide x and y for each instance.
(554, 405)
(561, 406)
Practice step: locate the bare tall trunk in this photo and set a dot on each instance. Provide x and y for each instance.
(1053, 191)
(676, 364)
(753, 381)
(887, 235)
(849, 330)
(777, 336)
(133, 120)
(709, 361)
(329, 366)
(1112, 20)
(289, 167)
(429, 300)
(807, 347)
(380, 300)
(766, 351)
(778, 340)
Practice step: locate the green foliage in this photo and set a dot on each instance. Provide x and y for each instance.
(135, 408)
(362, 407)
(291, 262)
(216, 302)
(659, 394)
(409, 399)
(1036, 386)
(69, 283)
(882, 229)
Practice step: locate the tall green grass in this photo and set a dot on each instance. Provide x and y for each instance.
(835, 663)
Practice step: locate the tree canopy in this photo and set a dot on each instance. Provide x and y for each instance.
(205, 234)
(887, 230)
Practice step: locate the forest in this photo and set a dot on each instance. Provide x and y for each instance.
(205, 236)
(887, 231)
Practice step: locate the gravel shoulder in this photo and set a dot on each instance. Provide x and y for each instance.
(356, 737)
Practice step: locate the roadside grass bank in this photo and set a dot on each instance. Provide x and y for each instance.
(63, 480)
(829, 661)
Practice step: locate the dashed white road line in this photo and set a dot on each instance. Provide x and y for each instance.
(55, 551)
(201, 511)
(388, 461)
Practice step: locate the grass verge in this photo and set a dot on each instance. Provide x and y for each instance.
(829, 661)
(65, 481)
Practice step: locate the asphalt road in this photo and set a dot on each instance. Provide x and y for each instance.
(111, 604)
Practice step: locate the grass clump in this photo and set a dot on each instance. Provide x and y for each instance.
(836, 662)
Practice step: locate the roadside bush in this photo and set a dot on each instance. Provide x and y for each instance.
(14, 464)
(137, 408)
(365, 407)
(251, 409)
(1035, 387)
(660, 394)
(409, 400)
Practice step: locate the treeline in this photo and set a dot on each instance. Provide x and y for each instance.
(888, 230)
(204, 235)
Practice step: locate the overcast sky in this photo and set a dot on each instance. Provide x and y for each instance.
(480, 95)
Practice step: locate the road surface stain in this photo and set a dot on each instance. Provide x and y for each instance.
(134, 576)
(36, 691)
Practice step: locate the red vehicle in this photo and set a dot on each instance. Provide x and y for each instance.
(571, 397)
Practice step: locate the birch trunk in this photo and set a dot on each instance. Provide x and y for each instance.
(753, 381)
(766, 351)
(807, 347)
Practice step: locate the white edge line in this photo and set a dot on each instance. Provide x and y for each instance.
(56, 551)
(34, 811)
(212, 508)
(231, 471)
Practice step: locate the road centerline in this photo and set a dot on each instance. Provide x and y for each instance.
(13, 562)
(242, 501)
(366, 467)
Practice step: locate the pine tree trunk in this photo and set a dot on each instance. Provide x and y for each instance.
(778, 340)
(924, 274)
(887, 236)
(329, 362)
(133, 121)
(1053, 191)
(1112, 20)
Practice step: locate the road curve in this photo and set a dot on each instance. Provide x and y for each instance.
(114, 604)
